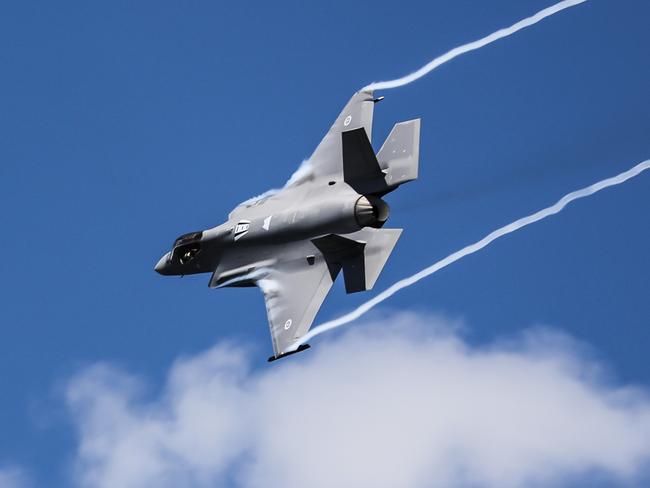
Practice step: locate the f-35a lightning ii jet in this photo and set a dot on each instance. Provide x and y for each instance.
(329, 217)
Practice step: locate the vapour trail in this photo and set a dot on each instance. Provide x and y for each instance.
(471, 249)
(457, 51)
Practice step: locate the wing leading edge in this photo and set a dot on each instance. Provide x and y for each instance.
(326, 160)
(294, 289)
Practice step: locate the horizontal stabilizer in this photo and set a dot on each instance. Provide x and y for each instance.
(400, 153)
(362, 255)
(341, 252)
(379, 246)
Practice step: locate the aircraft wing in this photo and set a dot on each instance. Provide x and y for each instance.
(294, 289)
(327, 159)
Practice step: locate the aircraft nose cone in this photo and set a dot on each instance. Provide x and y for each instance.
(161, 265)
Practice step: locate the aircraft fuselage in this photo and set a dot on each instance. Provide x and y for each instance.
(293, 214)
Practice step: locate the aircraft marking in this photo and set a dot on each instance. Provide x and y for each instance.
(347, 120)
(267, 222)
(241, 229)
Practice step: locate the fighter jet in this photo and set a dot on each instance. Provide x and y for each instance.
(294, 242)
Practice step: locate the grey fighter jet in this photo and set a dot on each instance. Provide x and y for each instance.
(330, 216)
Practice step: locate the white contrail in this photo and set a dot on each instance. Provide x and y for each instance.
(477, 246)
(457, 51)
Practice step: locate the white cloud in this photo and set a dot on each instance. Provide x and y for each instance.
(13, 477)
(404, 401)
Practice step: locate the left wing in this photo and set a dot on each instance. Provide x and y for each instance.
(327, 159)
(294, 289)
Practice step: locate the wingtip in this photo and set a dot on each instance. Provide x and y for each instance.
(300, 348)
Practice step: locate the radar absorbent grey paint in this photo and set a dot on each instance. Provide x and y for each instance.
(294, 242)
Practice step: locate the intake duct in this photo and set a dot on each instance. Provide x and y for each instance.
(370, 211)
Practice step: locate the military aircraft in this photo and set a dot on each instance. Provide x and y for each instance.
(292, 243)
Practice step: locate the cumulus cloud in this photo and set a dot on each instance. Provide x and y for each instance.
(13, 477)
(400, 401)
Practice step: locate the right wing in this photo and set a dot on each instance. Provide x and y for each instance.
(293, 293)
(294, 290)
(295, 279)
(327, 159)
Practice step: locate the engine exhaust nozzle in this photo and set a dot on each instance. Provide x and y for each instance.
(370, 211)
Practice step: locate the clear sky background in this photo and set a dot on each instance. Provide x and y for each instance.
(126, 124)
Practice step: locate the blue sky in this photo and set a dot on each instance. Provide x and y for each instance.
(125, 125)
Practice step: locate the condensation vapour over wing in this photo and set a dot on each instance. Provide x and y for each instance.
(477, 246)
(472, 46)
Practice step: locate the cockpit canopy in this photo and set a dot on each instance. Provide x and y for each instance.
(187, 238)
(186, 247)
